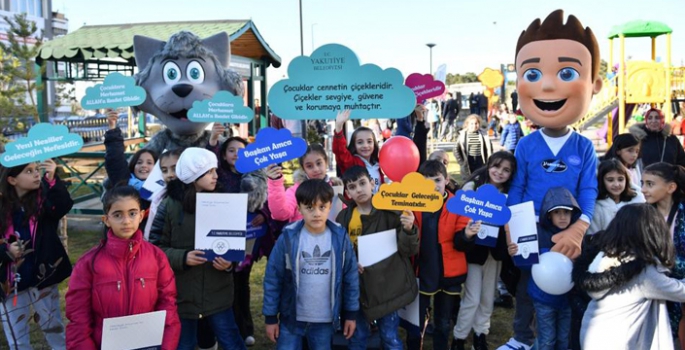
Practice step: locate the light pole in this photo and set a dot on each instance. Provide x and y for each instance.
(313, 24)
(301, 38)
(430, 46)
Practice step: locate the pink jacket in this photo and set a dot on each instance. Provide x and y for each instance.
(282, 203)
(120, 278)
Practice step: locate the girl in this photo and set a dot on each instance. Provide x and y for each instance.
(118, 172)
(484, 263)
(624, 270)
(663, 186)
(229, 177)
(282, 202)
(110, 279)
(204, 290)
(473, 147)
(362, 151)
(32, 259)
(511, 133)
(614, 191)
(626, 148)
(167, 163)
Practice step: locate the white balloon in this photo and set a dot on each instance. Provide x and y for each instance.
(553, 274)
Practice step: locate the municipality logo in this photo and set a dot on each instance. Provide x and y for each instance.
(554, 166)
(316, 258)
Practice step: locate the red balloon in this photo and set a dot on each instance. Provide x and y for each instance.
(387, 133)
(398, 157)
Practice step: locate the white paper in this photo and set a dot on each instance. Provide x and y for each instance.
(375, 247)
(487, 235)
(133, 332)
(337, 205)
(523, 230)
(410, 313)
(221, 224)
(154, 181)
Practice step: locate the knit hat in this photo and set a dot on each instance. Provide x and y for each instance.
(193, 163)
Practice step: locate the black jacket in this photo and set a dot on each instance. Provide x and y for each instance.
(658, 146)
(51, 262)
(451, 110)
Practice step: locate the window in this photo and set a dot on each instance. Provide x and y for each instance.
(30, 7)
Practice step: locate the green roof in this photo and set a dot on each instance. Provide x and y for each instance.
(116, 40)
(639, 28)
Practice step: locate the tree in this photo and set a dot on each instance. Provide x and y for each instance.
(19, 61)
(469, 77)
(603, 69)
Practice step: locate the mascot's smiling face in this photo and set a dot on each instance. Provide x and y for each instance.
(181, 71)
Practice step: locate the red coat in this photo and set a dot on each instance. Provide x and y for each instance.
(121, 278)
(345, 159)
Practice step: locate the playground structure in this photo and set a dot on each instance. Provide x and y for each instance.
(636, 82)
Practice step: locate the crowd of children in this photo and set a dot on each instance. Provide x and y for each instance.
(631, 263)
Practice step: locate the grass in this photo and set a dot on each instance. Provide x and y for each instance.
(82, 240)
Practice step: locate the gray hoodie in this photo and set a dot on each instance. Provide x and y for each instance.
(628, 307)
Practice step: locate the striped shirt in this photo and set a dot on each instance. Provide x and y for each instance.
(473, 140)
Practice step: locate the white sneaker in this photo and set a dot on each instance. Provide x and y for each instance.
(249, 341)
(514, 344)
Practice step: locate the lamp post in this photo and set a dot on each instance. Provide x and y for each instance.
(313, 24)
(301, 37)
(430, 46)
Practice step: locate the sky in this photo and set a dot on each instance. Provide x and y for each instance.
(470, 35)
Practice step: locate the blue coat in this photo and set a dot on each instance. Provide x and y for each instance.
(511, 134)
(280, 279)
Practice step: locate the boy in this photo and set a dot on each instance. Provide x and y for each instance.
(389, 284)
(310, 276)
(441, 263)
(557, 65)
(553, 311)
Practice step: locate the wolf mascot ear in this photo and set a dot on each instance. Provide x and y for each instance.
(177, 73)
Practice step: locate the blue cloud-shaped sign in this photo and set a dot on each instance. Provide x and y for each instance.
(332, 80)
(224, 107)
(116, 91)
(44, 141)
(486, 204)
(271, 146)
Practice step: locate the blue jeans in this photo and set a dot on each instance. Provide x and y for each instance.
(553, 327)
(224, 327)
(387, 328)
(319, 336)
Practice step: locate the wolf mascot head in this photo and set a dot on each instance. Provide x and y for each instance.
(177, 73)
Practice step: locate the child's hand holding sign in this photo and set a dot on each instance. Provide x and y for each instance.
(407, 219)
(472, 228)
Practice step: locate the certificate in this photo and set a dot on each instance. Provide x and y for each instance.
(142, 331)
(487, 236)
(153, 183)
(220, 225)
(524, 232)
(376, 247)
(410, 313)
(337, 205)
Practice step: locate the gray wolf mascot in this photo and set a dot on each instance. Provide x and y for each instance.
(177, 73)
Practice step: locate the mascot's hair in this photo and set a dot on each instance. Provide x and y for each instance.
(554, 28)
(185, 44)
(254, 184)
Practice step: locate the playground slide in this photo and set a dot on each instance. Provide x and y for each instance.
(614, 117)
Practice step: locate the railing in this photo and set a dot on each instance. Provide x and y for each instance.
(678, 83)
(605, 98)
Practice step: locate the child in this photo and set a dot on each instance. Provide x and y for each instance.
(363, 149)
(484, 263)
(473, 147)
(626, 148)
(389, 284)
(663, 186)
(615, 190)
(32, 258)
(311, 276)
(118, 172)
(511, 134)
(125, 258)
(444, 158)
(553, 313)
(229, 177)
(282, 203)
(625, 272)
(167, 163)
(441, 263)
(204, 290)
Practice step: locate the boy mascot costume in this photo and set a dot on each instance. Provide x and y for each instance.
(557, 66)
(177, 73)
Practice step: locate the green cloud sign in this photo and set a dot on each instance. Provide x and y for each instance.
(116, 91)
(224, 107)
